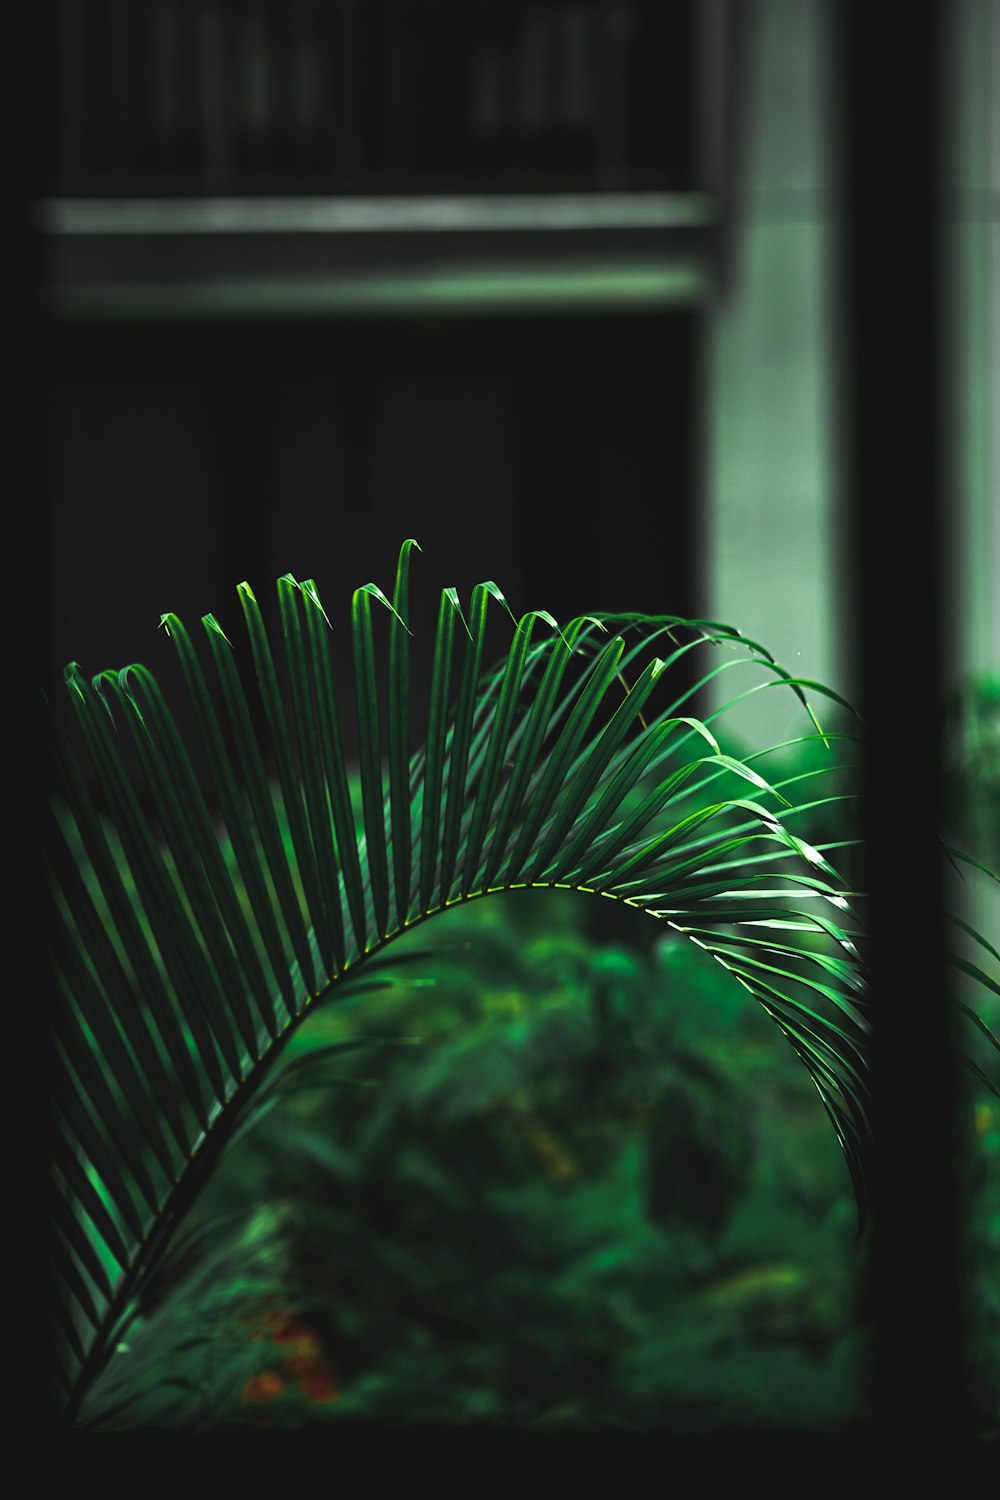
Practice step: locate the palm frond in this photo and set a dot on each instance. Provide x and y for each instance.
(189, 939)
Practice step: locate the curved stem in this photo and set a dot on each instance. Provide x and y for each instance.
(203, 1159)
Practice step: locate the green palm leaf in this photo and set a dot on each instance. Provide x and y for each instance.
(188, 942)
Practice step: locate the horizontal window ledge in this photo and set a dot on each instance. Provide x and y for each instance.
(389, 215)
(429, 291)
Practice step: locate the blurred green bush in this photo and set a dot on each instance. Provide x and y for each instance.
(577, 1179)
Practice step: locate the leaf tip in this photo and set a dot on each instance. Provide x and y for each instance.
(311, 593)
(211, 623)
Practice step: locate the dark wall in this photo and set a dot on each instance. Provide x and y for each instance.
(370, 96)
(554, 455)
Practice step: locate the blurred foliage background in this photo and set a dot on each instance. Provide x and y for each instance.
(572, 1178)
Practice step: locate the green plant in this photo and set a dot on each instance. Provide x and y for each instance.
(493, 1226)
(187, 950)
(972, 766)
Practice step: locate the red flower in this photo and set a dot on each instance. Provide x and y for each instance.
(319, 1385)
(265, 1386)
(288, 1329)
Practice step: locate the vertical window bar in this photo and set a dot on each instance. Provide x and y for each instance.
(892, 393)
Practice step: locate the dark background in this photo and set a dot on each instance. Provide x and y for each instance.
(556, 453)
(530, 451)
